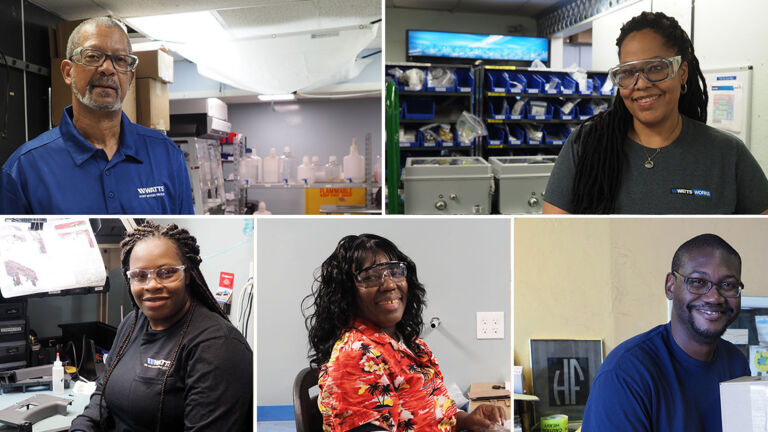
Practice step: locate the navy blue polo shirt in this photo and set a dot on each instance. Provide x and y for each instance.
(59, 172)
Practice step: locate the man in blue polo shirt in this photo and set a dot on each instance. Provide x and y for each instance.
(667, 379)
(96, 161)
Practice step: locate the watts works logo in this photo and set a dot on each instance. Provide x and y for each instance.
(568, 381)
(151, 192)
(157, 364)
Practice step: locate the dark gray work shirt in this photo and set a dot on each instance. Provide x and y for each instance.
(209, 389)
(703, 171)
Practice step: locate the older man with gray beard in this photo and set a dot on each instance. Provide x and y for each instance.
(96, 161)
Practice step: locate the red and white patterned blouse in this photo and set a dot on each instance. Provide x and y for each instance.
(372, 378)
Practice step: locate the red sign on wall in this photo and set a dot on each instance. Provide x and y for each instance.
(226, 280)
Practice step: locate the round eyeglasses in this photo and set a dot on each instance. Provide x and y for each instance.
(653, 71)
(699, 286)
(163, 275)
(94, 58)
(373, 276)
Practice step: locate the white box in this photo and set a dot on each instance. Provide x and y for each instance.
(210, 106)
(744, 404)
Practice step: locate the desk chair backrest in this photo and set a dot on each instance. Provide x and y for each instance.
(308, 417)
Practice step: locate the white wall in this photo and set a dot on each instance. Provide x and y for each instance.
(399, 20)
(463, 263)
(734, 34)
(605, 30)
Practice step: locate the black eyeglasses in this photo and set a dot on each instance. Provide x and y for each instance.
(373, 276)
(700, 286)
(94, 58)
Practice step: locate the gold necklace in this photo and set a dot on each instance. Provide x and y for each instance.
(649, 158)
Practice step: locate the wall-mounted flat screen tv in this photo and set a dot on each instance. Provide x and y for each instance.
(498, 48)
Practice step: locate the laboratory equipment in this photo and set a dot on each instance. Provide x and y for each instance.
(251, 168)
(272, 167)
(288, 165)
(57, 376)
(203, 157)
(332, 170)
(305, 173)
(520, 182)
(447, 185)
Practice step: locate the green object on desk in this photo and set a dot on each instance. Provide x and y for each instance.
(554, 423)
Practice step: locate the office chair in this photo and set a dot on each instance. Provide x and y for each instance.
(308, 417)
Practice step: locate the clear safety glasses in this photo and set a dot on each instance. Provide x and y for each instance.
(653, 71)
(95, 58)
(163, 275)
(373, 276)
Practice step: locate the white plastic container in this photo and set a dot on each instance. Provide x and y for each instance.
(305, 172)
(318, 168)
(251, 168)
(354, 164)
(272, 167)
(262, 209)
(57, 376)
(332, 170)
(288, 165)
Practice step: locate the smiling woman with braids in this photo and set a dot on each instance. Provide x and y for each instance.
(375, 372)
(177, 363)
(652, 152)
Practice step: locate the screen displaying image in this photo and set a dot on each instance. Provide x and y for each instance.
(423, 43)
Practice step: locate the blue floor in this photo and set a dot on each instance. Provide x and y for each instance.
(276, 426)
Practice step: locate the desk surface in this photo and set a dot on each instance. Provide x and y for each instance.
(53, 423)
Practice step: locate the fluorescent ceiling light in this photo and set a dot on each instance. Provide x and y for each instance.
(277, 97)
(183, 27)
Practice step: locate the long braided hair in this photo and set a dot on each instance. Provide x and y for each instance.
(197, 288)
(600, 160)
(334, 295)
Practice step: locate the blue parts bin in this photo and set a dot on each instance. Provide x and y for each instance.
(419, 109)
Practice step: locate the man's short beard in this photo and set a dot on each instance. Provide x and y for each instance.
(706, 335)
(88, 101)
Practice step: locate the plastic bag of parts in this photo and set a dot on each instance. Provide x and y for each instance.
(440, 77)
(579, 75)
(607, 86)
(517, 108)
(413, 78)
(538, 108)
(598, 105)
(407, 136)
(567, 107)
(534, 132)
(537, 64)
(445, 132)
(430, 136)
(469, 127)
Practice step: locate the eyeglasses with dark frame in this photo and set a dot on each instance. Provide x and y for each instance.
(653, 70)
(701, 286)
(163, 275)
(95, 58)
(373, 276)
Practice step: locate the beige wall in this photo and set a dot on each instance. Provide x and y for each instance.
(601, 278)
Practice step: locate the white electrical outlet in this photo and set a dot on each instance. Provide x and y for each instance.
(490, 325)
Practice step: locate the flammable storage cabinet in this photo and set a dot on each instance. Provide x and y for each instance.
(447, 185)
(520, 182)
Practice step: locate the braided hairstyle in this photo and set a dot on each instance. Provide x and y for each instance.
(197, 288)
(600, 161)
(334, 295)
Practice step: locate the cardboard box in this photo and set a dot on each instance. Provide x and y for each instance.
(156, 64)
(63, 30)
(484, 393)
(61, 95)
(152, 104)
(744, 403)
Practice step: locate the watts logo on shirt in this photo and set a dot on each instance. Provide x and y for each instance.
(157, 364)
(151, 192)
(695, 192)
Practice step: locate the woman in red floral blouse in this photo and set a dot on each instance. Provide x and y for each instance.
(375, 372)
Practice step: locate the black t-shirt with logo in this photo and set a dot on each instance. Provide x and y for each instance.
(703, 171)
(209, 389)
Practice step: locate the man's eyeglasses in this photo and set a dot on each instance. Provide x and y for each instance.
(373, 276)
(653, 71)
(699, 286)
(94, 58)
(163, 275)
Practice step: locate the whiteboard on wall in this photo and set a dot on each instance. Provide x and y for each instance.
(730, 100)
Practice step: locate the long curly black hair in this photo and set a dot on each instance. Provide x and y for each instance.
(330, 307)
(197, 288)
(600, 159)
